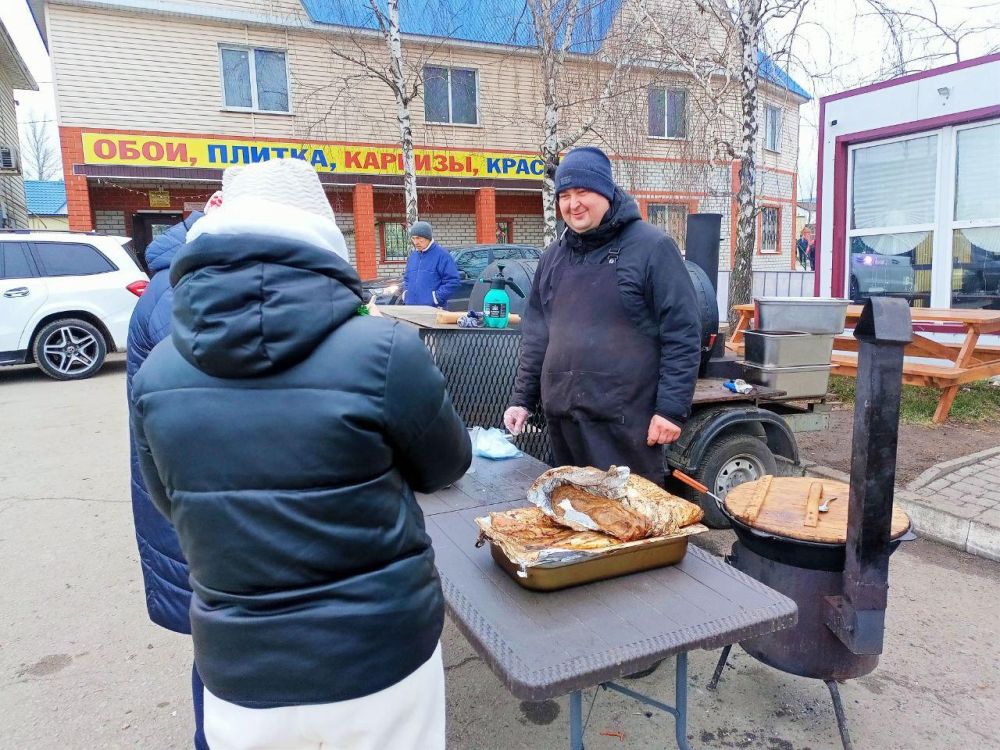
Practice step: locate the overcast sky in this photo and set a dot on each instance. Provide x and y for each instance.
(834, 40)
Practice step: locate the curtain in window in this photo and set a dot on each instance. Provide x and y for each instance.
(894, 184)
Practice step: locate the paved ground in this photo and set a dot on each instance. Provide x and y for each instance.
(960, 500)
(81, 667)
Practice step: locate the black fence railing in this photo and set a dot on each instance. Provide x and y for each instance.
(479, 367)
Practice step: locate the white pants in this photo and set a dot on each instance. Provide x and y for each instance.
(406, 716)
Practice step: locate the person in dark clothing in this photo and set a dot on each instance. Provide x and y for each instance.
(283, 433)
(610, 336)
(431, 276)
(805, 248)
(164, 569)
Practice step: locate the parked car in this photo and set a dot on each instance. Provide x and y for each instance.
(873, 273)
(65, 299)
(471, 260)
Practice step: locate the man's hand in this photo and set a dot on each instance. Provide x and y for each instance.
(661, 431)
(515, 417)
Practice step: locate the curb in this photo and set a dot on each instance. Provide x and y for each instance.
(931, 522)
(947, 467)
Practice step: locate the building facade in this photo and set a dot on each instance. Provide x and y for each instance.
(908, 203)
(155, 99)
(14, 74)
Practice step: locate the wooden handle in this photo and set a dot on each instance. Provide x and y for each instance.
(690, 481)
(759, 496)
(445, 318)
(812, 505)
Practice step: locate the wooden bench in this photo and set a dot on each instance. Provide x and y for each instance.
(967, 361)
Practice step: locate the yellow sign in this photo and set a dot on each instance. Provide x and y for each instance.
(140, 150)
(159, 199)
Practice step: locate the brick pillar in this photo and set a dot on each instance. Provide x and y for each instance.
(81, 217)
(486, 215)
(364, 232)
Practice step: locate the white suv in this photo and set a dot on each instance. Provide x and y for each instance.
(65, 299)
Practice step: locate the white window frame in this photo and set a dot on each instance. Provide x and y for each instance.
(944, 222)
(666, 114)
(253, 79)
(780, 115)
(475, 72)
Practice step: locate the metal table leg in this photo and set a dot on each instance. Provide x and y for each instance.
(678, 711)
(576, 721)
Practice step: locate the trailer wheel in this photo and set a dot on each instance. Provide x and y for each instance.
(731, 461)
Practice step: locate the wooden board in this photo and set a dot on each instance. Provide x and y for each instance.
(712, 390)
(787, 509)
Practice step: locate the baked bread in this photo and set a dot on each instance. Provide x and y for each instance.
(665, 514)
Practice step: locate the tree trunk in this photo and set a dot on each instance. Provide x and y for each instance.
(550, 157)
(741, 276)
(394, 41)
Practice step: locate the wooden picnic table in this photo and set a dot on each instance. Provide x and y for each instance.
(545, 645)
(967, 361)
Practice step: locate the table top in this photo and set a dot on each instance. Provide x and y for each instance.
(543, 645)
(925, 314)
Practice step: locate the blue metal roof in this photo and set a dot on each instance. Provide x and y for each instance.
(46, 198)
(773, 73)
(485, 21)
(491, 22)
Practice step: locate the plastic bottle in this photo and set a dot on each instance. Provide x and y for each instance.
(496, 303)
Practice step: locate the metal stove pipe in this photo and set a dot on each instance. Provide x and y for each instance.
(857, 617)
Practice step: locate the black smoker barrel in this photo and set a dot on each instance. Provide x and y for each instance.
(841, 623)
(701, 249)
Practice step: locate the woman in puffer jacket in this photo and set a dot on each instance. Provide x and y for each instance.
(284, 434)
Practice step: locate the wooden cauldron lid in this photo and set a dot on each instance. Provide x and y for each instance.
(788, 506)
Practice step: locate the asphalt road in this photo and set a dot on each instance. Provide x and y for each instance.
(82, 667)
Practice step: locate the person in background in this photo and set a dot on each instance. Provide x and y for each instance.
(610, 341)
(805, 249)
(285, 447)
(164, 569)
(431, 276)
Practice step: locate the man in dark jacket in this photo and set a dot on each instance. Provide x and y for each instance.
(610, 337)
(284, 434)
(164, 570)
(431, 276)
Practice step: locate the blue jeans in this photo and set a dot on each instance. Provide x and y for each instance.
(198, 699)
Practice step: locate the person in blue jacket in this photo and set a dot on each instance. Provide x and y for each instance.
(164, 569)
(431, 276)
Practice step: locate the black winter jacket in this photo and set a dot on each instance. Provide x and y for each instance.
(656, 291)
(283, 436)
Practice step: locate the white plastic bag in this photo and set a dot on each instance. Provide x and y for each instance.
(493, 443)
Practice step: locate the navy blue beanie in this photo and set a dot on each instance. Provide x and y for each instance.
(586, 167)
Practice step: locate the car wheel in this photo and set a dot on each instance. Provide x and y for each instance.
(731, 461)
(70, 349)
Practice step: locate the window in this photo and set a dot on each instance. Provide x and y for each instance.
(395, 242)
(254, 79)
(667, 113)
(70, 259)
(473, 262)
(505, 231)
(672, 219)
(450, 95)
(770, 230)
(14, 263)
(772, 128)
(975, 229)
(891, 218)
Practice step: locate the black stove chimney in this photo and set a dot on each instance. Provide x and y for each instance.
(857, 617)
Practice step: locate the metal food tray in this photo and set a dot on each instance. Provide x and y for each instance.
(805, 314)
(787, 348)
(611, 564)
(805, 381)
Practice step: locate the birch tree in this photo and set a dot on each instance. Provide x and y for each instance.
(403, 80)
(554, 23)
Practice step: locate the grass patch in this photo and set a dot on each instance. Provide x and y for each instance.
(975, 402)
